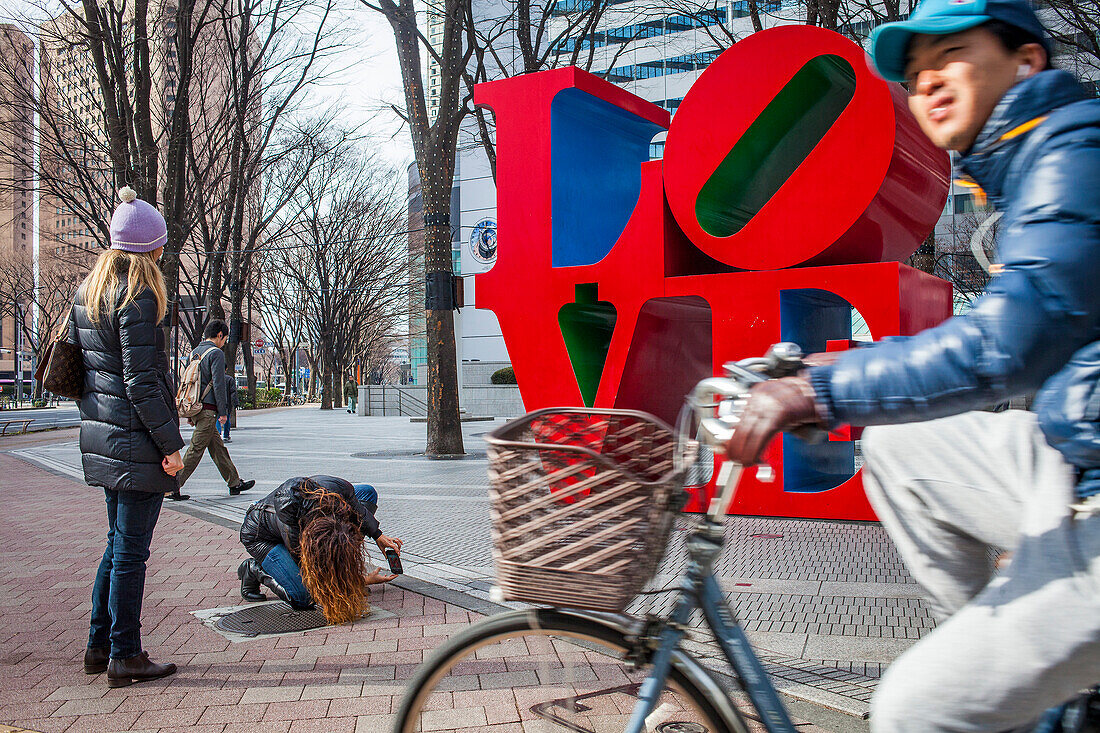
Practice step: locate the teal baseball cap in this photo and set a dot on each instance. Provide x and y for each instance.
(890, 42)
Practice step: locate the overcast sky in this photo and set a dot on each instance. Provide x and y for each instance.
(369, 83)
(372, 83)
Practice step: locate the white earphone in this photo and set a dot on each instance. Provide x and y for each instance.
(1023, 72)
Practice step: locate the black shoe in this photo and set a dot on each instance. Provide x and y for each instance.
(249, 572)
(125, 672)
(177, 496)
(95, 659)
(242, 486)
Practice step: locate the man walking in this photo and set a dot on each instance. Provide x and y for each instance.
(351, 393)
(214, 413)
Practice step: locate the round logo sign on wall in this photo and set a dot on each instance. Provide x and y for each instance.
(483, 241)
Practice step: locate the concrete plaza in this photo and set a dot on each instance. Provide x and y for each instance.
(828, 604)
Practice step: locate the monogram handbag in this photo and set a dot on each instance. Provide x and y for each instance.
(62, 368)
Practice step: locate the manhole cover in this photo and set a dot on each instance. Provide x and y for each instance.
(271, 618)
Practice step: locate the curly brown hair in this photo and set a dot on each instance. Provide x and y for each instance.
(331, 554)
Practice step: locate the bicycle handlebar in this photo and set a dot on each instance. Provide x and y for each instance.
(719, 402)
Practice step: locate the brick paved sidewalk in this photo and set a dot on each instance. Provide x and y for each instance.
(345, 678)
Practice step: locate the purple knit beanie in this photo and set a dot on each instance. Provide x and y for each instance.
(136, 225)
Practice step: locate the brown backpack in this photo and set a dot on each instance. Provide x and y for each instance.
(188, 399)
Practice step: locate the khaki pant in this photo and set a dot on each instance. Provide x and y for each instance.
(206, 436)
(1010, 643)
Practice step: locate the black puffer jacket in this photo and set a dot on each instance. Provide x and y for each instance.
(128, 414)
(276, 518)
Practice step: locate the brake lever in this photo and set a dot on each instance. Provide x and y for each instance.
(783, 359)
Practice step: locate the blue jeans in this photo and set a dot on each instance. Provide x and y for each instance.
(367, 496)
(120, 582)
(225, 427)
(281, 566)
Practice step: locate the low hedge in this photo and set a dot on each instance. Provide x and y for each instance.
(507, 375)
(265, 397)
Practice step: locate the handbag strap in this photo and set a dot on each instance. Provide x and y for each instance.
(63, 329)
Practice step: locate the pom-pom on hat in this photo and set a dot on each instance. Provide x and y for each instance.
(136, 225)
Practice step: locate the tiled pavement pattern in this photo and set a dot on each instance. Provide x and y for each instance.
(832, 594)
(336, 679)
(814, 578)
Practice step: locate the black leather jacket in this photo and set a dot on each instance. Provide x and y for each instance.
(276, 518)
(128, 410)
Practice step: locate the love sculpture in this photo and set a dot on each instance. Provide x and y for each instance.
(793, 181)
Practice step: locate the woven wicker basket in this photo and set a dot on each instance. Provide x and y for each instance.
(580, 505)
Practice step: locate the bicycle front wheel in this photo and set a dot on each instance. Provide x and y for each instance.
(547, 671)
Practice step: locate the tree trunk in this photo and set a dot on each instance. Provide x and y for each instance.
(175, 184)
(434, 145)
(236, 313)
(250, 371)
(444, 425)
(325, 362)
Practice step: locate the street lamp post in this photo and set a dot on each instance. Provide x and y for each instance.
(297, 368)
(18, 353)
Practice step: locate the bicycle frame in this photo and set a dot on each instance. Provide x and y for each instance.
(699, 589)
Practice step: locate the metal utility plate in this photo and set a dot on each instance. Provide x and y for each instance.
(252, 620)
(270, 618)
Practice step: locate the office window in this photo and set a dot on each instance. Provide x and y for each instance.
(965, 203)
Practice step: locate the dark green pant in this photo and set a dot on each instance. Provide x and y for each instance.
(206, 436)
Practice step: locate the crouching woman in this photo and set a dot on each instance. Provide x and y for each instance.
(306, 542)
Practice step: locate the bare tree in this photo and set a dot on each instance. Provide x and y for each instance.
(20, 299)
(548, 34)
(281, 308)
(113, 109)
(343, 261)
(274, 53)
(434, 145)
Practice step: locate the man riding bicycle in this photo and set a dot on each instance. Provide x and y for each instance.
(954, 491)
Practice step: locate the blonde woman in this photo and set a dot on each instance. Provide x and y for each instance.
(129, 432)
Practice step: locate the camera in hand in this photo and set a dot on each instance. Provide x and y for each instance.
(394, 560)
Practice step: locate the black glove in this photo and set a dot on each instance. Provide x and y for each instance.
(773, 406)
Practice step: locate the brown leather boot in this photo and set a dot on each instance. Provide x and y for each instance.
(95, 659)
(125, 672)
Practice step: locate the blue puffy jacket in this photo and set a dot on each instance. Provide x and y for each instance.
(1038, 324)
